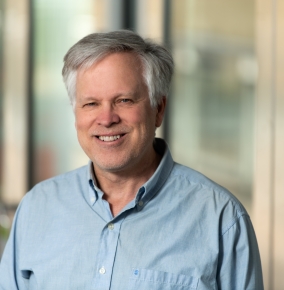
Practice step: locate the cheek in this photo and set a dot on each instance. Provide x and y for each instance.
(83, 121)
(146, 121)
(142, 115)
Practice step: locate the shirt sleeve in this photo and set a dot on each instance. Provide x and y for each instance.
(10, 275)
(239, 266)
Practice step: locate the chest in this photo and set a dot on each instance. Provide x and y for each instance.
(151, 249)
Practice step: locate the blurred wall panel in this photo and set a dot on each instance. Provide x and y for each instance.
(279, 149)
(263, 197)
(269, 142)
(15, 67)
(149, 20)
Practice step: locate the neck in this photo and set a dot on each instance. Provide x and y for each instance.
(121, 187)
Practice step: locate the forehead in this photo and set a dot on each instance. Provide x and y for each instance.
(116, 71)
(119, 62)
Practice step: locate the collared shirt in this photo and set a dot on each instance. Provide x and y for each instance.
(182, 231)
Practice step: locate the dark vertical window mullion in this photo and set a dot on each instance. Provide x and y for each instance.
(129, 14)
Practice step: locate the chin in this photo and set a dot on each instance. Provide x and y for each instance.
(111, 166)
(116, 163)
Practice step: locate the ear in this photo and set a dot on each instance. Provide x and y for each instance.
(160, 112)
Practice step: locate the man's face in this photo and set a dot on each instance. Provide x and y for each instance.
(114, 119)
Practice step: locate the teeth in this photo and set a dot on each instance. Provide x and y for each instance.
(109, 138)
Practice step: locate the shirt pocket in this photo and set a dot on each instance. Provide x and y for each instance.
(144, 279)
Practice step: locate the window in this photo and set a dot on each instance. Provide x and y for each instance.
(212, 106)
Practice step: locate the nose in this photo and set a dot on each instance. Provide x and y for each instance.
(107, 116)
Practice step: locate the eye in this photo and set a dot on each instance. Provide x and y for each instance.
(91, 104)
(125, 101)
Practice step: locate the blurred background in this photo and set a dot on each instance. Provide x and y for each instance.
(225, 114)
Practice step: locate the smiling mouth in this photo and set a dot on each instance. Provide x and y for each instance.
(109, 138)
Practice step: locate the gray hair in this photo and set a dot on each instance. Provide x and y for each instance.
(156, 60)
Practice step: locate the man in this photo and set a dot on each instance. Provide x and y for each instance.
(132, 218)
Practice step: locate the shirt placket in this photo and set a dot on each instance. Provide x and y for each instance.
(106, 254)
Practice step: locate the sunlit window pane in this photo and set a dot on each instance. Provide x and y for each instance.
(213, 90)
(57, 27)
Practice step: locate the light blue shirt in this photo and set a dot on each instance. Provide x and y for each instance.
(182, 231)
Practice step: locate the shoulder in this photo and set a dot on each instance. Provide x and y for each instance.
(50, 206)
(207, 197)
(58, 188)
(68, 179)
(189, 177)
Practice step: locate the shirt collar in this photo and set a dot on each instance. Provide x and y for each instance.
(149, 189)
(153, 185)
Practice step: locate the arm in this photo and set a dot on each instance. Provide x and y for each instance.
(239, 266)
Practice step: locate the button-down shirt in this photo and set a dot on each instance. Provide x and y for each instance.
(182, 231)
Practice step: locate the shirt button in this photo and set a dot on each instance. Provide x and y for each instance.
(102, 270)
(140, 203)
(110, 226)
